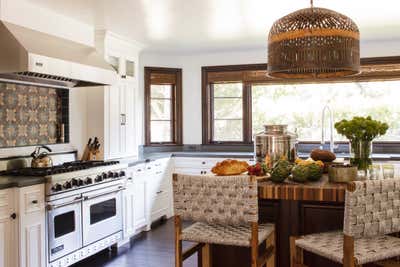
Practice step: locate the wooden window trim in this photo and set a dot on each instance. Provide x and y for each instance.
(372, 69)
(176, 98)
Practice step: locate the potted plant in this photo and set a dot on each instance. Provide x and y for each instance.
(361, 131)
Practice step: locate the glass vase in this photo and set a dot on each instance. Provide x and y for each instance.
(360, 154)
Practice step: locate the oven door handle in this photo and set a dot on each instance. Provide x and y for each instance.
(120, 188)
(53, 207)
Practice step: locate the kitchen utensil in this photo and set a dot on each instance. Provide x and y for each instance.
(274, 144)
(41, 159)
(86, 150)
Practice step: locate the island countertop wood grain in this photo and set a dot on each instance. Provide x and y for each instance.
(322, 190)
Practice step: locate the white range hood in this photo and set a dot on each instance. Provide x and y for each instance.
(35, 57)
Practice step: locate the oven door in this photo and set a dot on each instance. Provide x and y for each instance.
(102, 213)
(64, 226)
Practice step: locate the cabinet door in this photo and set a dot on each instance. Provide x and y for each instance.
(140, 202)
(123, 118)
(7, 251)
(114, 121)
(32, 222)
(129, 207)
(130, 119)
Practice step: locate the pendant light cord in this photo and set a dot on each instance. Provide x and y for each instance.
(312, 3)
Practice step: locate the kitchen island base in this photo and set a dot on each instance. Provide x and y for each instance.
(291, 218)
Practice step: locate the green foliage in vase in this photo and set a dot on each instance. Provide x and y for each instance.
(361, 128)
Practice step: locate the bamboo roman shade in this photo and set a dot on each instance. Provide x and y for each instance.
(163, 78)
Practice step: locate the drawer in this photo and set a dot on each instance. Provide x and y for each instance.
(207, 163)
(6, 203)
(32, 198)
(138, 170)
(193, 171)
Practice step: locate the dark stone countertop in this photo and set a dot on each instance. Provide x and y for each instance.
(19, 181)
(148, 157)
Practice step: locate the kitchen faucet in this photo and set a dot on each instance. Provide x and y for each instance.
(331, 143)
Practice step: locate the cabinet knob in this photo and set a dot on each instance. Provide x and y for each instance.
(35, 201)
(13, 216)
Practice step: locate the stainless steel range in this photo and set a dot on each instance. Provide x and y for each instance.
(84, 208)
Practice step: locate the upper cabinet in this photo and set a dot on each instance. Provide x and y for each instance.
(113, 109)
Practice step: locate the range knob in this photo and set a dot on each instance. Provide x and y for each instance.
(57, 187)
(67, 185)
(115, 175)
(88, 180)
(80, 182)
(104, 175)
(98, 178)
(74, 182)
(110, 175)
(122, 173)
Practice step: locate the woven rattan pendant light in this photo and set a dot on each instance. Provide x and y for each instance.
(313, 43)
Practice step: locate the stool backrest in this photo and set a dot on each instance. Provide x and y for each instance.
(372, 208)
(230, 200)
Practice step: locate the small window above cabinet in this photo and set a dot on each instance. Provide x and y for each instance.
(114, 61)
(130, 68)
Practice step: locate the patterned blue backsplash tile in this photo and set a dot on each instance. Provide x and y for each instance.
(32, 115)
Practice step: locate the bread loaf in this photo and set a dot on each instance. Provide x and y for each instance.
(230, 167)
(322, 155)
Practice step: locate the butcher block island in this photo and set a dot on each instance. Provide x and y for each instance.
(295, 209)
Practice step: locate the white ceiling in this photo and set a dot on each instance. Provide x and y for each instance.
(208, 25)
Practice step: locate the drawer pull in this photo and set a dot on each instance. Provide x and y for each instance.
(159, 172)
(35, 201)
(13, 216)
(130, 178)
(203, 163)
(149, 168)
(159, 192)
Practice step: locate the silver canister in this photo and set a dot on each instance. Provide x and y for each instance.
(275, 143)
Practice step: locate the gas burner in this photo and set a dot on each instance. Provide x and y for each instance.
(64, 168)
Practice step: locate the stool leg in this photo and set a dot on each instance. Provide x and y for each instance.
(296, 253)
(205, 255)
(178, 242)
(254, 244)
(271, 242)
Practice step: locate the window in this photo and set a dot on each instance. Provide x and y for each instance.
(227, 102)
(163, 116)
(300, 106)
(239, 100)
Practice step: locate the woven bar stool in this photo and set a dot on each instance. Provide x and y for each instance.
(372, 211)
(224, 210)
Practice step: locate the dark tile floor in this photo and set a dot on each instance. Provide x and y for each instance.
(150, 249)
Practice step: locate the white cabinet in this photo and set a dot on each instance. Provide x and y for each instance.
(135, 202)
(140, 203)
(199, 166)
(22, 227)
(31, 226)
(8, 226)
(159, 189)
(112, 110)
(129, 208)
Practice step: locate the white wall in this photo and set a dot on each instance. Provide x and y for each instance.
(191, 71)
(24, 13)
